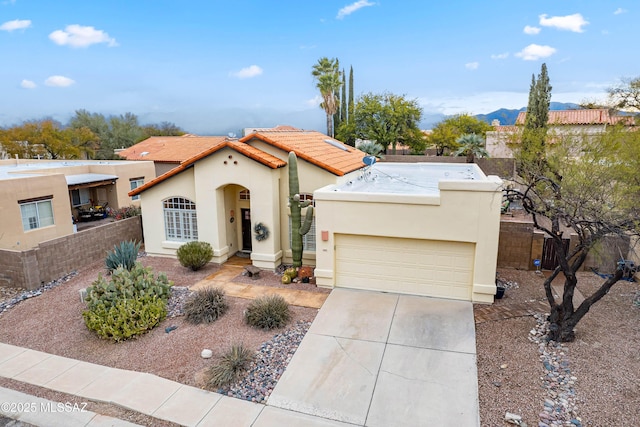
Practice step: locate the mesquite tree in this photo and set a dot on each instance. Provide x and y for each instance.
(587, 185)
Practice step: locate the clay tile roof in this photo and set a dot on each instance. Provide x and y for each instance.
(599, 116)
(312, 146)
(251, 152)
(170, 149)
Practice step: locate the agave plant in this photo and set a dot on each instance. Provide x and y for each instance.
(123, 255)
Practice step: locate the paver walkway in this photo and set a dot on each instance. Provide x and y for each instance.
(230, 270)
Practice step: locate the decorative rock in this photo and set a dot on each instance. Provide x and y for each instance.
(513, 418)
(206, 353)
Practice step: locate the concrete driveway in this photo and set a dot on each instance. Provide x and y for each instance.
(381, 359)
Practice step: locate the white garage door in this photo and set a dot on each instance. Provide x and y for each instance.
(410, 266)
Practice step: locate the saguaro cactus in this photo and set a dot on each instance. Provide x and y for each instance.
(298, 228)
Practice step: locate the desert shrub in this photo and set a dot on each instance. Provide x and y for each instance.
(268, 312)
(130, 303)
(124, 254)
(194, 255)
(232, 364)
(205, 305)
(126, 318)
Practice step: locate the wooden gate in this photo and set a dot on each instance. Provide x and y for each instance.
(549, 256)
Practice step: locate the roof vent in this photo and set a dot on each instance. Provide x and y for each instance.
(144, 153)
(336, 144)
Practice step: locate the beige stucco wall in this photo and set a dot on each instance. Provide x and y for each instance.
(12, 234)
(464, 211)
(214, 184)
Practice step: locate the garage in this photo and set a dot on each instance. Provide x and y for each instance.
(410, 266)
(411, 228)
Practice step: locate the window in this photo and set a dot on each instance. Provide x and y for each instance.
(244, 195)
(309, 239)
(307, 196)
(80, 197)
(135, 183)
(36, 214)
(180, 219)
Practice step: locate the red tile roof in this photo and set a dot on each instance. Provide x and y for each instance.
(251, 152)
(579, 117)
(314, 147)
(171, 149)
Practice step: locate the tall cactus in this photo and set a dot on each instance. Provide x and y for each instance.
(298, 228)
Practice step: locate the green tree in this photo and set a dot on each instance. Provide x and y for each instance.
(446, 132)
(371, 148)
(343, 100)
(47, 138)
(99, 126)
(162, 129)
(471, 146)
(595, 196)
(534, 134)
(351, 104)
(388, 119)
(327, 76)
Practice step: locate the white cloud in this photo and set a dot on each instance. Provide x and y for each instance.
(16, 24)
(81, 36)
(59, 81)
(620, 11)
(27, 84)
(247, 73)
(314, 102)
(472, 65)
(528, 29)
(504, 55)
(349, 9)
(534, 52)
(573, 22)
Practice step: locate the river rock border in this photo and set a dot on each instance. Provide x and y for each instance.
(560, 403)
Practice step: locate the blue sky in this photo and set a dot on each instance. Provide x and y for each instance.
(217, 66)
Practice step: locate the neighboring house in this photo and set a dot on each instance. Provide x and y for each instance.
(41, 199)
(501, 141)
(220, 194)
(167, 152)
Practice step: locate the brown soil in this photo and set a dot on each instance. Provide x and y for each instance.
(605, 357)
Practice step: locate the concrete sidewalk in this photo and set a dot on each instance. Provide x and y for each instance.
(380, 359)
(369, 358)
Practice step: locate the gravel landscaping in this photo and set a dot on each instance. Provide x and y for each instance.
(592, 381)
(589, 382)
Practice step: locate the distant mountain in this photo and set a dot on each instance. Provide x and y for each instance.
(508, 117)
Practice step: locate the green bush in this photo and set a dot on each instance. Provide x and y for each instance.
(268, 312)
(194, 255)
(205, 306)
(232, 364)
(124, 255)
(126, 318)
(130, 303)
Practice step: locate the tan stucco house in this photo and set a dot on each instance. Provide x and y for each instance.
(220, 194)
(41, 199)
(425, 229)
(562, 123)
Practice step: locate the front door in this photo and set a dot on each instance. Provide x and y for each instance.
(246, 229)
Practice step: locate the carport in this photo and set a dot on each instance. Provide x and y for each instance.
(427, 229)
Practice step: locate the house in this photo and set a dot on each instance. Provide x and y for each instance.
(501, 140)
(220, 194)
(167, 152)
(41, 199)
(426, 229)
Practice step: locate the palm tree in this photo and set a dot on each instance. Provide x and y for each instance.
(472, 146)
(327, 76)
